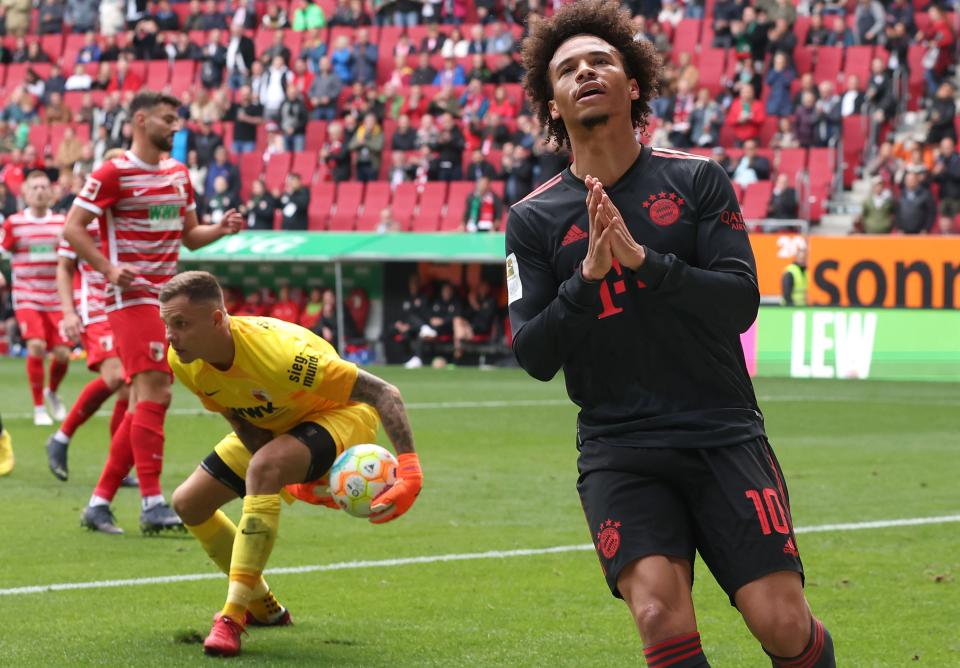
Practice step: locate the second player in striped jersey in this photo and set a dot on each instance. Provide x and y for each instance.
(146, 208)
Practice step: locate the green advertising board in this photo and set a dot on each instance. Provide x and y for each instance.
(890, 344)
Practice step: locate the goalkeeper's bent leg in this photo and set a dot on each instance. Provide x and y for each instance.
(251, 549)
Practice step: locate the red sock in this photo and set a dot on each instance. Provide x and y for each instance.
(119, 412)
(35, 376)
(146, 438)
(58, 370)
(119, 461)
(91, 398)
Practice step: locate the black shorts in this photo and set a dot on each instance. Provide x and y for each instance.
(729, 504)
(323, 452)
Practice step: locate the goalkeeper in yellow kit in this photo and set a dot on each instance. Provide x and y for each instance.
(294, 405)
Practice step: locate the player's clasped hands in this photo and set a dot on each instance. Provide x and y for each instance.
(609, 237)
(397, 499)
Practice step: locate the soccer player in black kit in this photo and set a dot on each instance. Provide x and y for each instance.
(631, 270)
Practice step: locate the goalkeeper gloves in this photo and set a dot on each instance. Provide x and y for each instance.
(397, 499)
(307, 491)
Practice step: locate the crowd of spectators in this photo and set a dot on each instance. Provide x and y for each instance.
(445, 105)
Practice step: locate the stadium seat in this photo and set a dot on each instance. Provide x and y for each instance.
(854, 134)
(278, 166)
(305, 164)
(250, 166)
(404, 203)
(316, 133)
(376, 197)
(829, 59)
(182, 77)
(39, 136)
(433, 197)
(712, 66)
(756, 197)
(322, 194)
(452, 218)
(803, 59)
(349, 196)
(792, 161)
(158, 73)
(71, 47)
(52, 45)
(801, 27)
(686, 39)
(857, 62)
(57, 130)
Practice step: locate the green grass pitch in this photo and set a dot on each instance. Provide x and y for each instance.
(498, 477)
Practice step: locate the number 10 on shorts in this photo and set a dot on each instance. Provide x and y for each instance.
(769, 510)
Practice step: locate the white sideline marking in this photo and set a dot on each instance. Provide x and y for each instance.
(451, 405)
(431, 559)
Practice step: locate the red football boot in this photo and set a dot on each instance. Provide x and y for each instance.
(224, 638)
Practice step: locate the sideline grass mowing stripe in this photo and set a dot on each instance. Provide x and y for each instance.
(432, 559)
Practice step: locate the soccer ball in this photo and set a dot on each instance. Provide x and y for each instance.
(359, 474)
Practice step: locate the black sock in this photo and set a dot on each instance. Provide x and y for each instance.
(677, 652)
(817, 654)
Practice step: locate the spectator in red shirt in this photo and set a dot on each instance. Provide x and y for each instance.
(124, 79)
(252, 306)
(939, 39)
(746, 115)
(286, 308)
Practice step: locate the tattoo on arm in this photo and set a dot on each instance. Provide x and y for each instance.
(389, 404)
(252, 437)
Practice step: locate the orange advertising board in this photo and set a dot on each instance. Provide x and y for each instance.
(889, 271)
(773, 253)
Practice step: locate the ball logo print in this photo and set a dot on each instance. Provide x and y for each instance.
(359, 475)
(608, 538)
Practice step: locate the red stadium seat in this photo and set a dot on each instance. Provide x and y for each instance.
(375, 199)
(278, 166)
(756, 197)
(305, 164)
(52, 45)
(158, 74)
(349, 196)
(404, 203)
(686, 39)
(71, 47)
(250, 166)
(322, 194)
(857, 62)
(39, 137)
(854, 135)
(712, 67)
(433, 197)
(829, 59)
(803, 59)
(452, 218)
(792, 161)
(316, 132)
(182, 77)
(801, 26)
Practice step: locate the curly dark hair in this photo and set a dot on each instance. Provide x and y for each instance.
(603, 19)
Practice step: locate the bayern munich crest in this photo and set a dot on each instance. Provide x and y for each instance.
(608, 538)
(664, 208)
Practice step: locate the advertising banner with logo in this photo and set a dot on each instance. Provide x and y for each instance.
(890, 344)
(773, 252)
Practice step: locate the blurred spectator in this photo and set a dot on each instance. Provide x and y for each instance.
(313, 49)
(398, 172)
(194, 17)
(880, 97)
(840, 34)
(746, 73)
(778, 10)
(307, 15)
(476, 320)
(74, 186)
(387, 222)
(206, 142)
(476, 44)
(827, 116)
(70, 149)
(367, 146)
(326, 326)
(500, 39)
(198, 175)
(680, 116)
(516, 171)
(805, 119)
(222, 166)
(508, 70)
(17, 16)
(428, 132)
(484, 208)
(261, 208)
(502, 105)
(219, 201)
(479, 70)
(916, 210)
(782, 39)
(56, 111)
(212, 18)
(51, 17)
(278, 47)
(86, 163)
(404, 47)
(939, 39)
(273, 93)
(456, 45)
(324, 91)
(783, 199)
(294, 203)
(817, 34)
(310, 315)
(336, 154)
(252, 306)
(878, 209)
(479, 167)
(942, 117)
(445, 101)
(452, 74)
(751, 167)
(884, 165)
(946, 173)
(434, 40)
(341, 59)
(474, 103)
(204, 109)
(406, 329)
(784, 137)
(34, 85)
(448, 147)
(671, 12)
(246, 114)
(165, 17)
(405, 135)
(415, 105)
(109, 51)
(687, 71)
(779, 79)
(424, 73)
(746, 115)
(90, 51)
(286, 308)
(851, 102)
(440, 314)
(293, 120)
(705, 120)
(275, 17)
(869, 18)
(79, 80)
(901, 11)
(184, 48)
(400, 76)
(213, 61)
(8, 202)
(239, 57)
(364, 65)
(807, 85)
(793, 282)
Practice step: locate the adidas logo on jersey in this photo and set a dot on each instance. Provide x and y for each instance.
(572, 235)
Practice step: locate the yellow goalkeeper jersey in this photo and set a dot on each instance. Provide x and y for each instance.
(281, 374)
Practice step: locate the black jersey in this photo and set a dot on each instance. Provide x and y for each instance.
(652, 357)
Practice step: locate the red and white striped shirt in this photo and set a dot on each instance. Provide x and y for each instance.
(89, 285)
(141, 209)
(33, 243)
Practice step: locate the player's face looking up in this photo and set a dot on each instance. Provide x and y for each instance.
(589, 83)
(160, 123)
(192, 327)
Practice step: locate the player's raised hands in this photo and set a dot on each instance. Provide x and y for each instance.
(599, 257)
(397, 499)
(232, 222)
(71, 327)
(624, 247)
(122, 275)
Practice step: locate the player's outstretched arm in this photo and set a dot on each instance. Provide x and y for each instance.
(386, 398)
(196, 235)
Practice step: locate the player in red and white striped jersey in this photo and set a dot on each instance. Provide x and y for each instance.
(146, 208)
(32, 237)
(82, 293)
